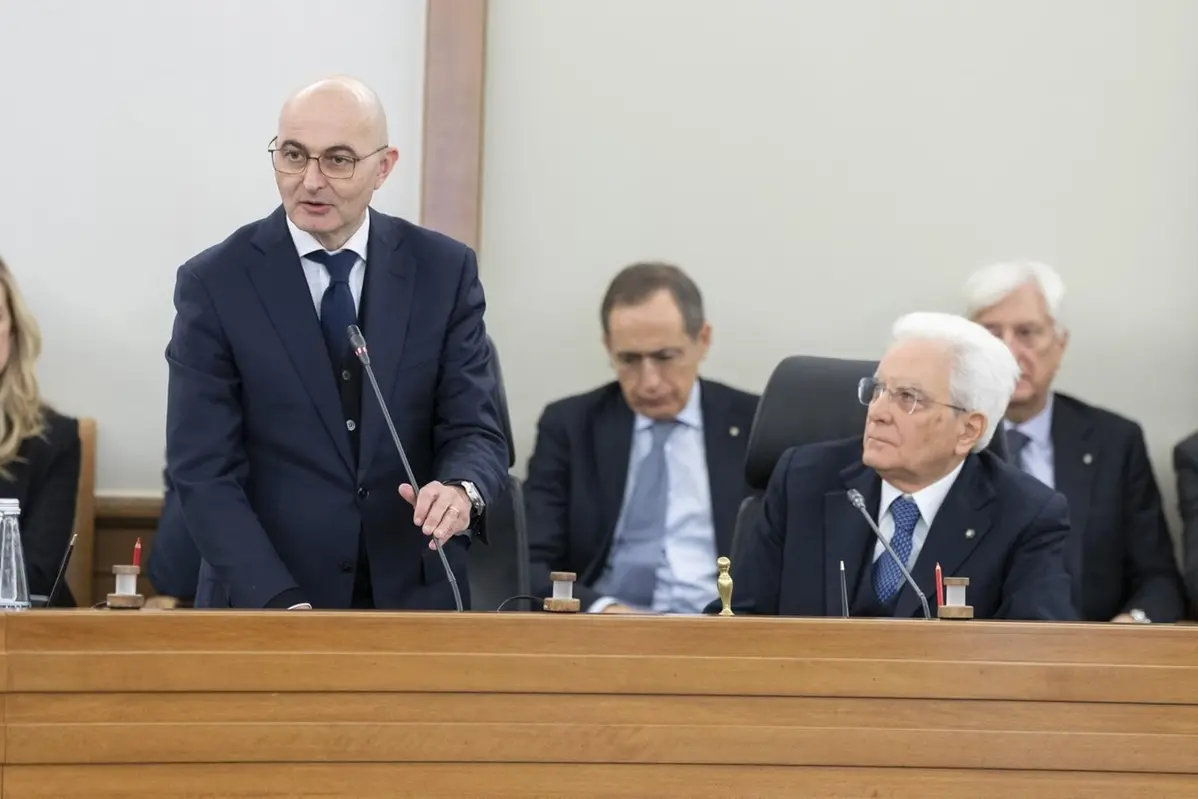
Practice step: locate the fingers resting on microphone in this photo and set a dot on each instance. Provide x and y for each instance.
(441, 511)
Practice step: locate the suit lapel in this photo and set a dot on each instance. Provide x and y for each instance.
(959, 526)
(1073, 452)
(725, 464)
(847, 534)
(391, 281)
(279, 280)
(612, 446)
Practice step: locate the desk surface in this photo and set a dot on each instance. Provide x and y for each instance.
(364, 705)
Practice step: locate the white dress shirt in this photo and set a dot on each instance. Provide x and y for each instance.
(317, 274)
(686, 574)
(928, 500)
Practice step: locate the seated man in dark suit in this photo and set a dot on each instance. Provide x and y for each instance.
(1185, 463)
(934, 403)
(1098, 460)
(635, 486)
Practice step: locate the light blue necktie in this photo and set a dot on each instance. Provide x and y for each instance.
(888, 577)
(636, 553)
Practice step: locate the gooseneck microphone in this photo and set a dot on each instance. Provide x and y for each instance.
(358, 342)
(859, 503)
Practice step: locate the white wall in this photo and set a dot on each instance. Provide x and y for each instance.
(134, 135)
(821, 167)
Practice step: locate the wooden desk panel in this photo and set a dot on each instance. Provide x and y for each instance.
(141, 704)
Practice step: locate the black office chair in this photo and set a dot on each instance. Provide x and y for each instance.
(807, 400)
(499, 568)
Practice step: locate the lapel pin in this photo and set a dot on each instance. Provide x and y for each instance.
(734, 431)
(970, 533)
(1087, 459)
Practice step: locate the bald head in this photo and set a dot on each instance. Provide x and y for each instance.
(343, 98)
(330, 156)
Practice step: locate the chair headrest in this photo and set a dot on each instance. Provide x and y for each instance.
(505, 416)
(808, 400)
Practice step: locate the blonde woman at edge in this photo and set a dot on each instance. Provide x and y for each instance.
(39, 448)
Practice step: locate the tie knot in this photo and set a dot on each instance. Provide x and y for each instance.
(905, 512)
(339, 264)
(661, 432)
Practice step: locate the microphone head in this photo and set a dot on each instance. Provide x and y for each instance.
(857, 500)
(356, 339)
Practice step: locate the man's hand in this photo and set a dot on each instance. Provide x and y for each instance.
(441, 511)
(618, 608)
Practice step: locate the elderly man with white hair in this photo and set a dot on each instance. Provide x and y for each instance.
(1119, 542)
(935, 401)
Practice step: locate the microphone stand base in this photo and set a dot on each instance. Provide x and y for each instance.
(955, 612)
(125, 601)
(572, 605)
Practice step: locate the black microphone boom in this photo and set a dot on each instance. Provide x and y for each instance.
(358, 342)
(859, 503)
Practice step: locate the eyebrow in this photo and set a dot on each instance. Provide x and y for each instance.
(335, 148)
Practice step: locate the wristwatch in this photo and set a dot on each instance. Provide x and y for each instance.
(477, 505)
(1139, 616)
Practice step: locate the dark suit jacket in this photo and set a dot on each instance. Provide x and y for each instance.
(1116, 517)
(173, 565)
(579, 468)
(257, 446)
(1185, 462)
(45, 479)
(790, 566)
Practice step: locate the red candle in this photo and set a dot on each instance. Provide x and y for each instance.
(137, 553)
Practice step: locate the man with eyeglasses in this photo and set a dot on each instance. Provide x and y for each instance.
(284, 473)
(1097, 459)
(939, 498)
(635, 486)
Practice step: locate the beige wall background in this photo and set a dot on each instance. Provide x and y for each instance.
(134, 135)
(822, 167)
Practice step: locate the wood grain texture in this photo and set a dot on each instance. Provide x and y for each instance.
(532, 781)
(103, 704)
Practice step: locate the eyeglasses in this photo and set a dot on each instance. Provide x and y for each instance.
(292, 160)
(633, 362)
(905, 399)
(1034, 337)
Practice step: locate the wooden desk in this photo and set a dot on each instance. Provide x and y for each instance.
(116, 705)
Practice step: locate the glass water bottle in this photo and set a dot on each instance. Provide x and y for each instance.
(14, 586)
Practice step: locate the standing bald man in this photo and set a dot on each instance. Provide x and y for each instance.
(282, 466)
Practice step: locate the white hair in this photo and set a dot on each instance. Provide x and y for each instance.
(983, 372)
(992, 284)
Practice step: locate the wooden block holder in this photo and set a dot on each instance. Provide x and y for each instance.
(563, 599)
(125, 597)
(954, 606)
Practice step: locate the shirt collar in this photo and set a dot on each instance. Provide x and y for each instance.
(691, 415)
(927, 499)
(305, 242)
(1038, 429)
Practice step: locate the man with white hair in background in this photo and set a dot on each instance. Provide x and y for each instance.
(1119, 541)
(936, 399)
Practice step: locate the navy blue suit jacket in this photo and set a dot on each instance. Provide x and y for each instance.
(1015, 560)
(257, 447)
(579, 470)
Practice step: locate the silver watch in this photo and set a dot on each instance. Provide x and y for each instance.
(477, 505)
(1139, 616)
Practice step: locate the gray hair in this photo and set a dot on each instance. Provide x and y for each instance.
(983, 372)
(992, 284)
